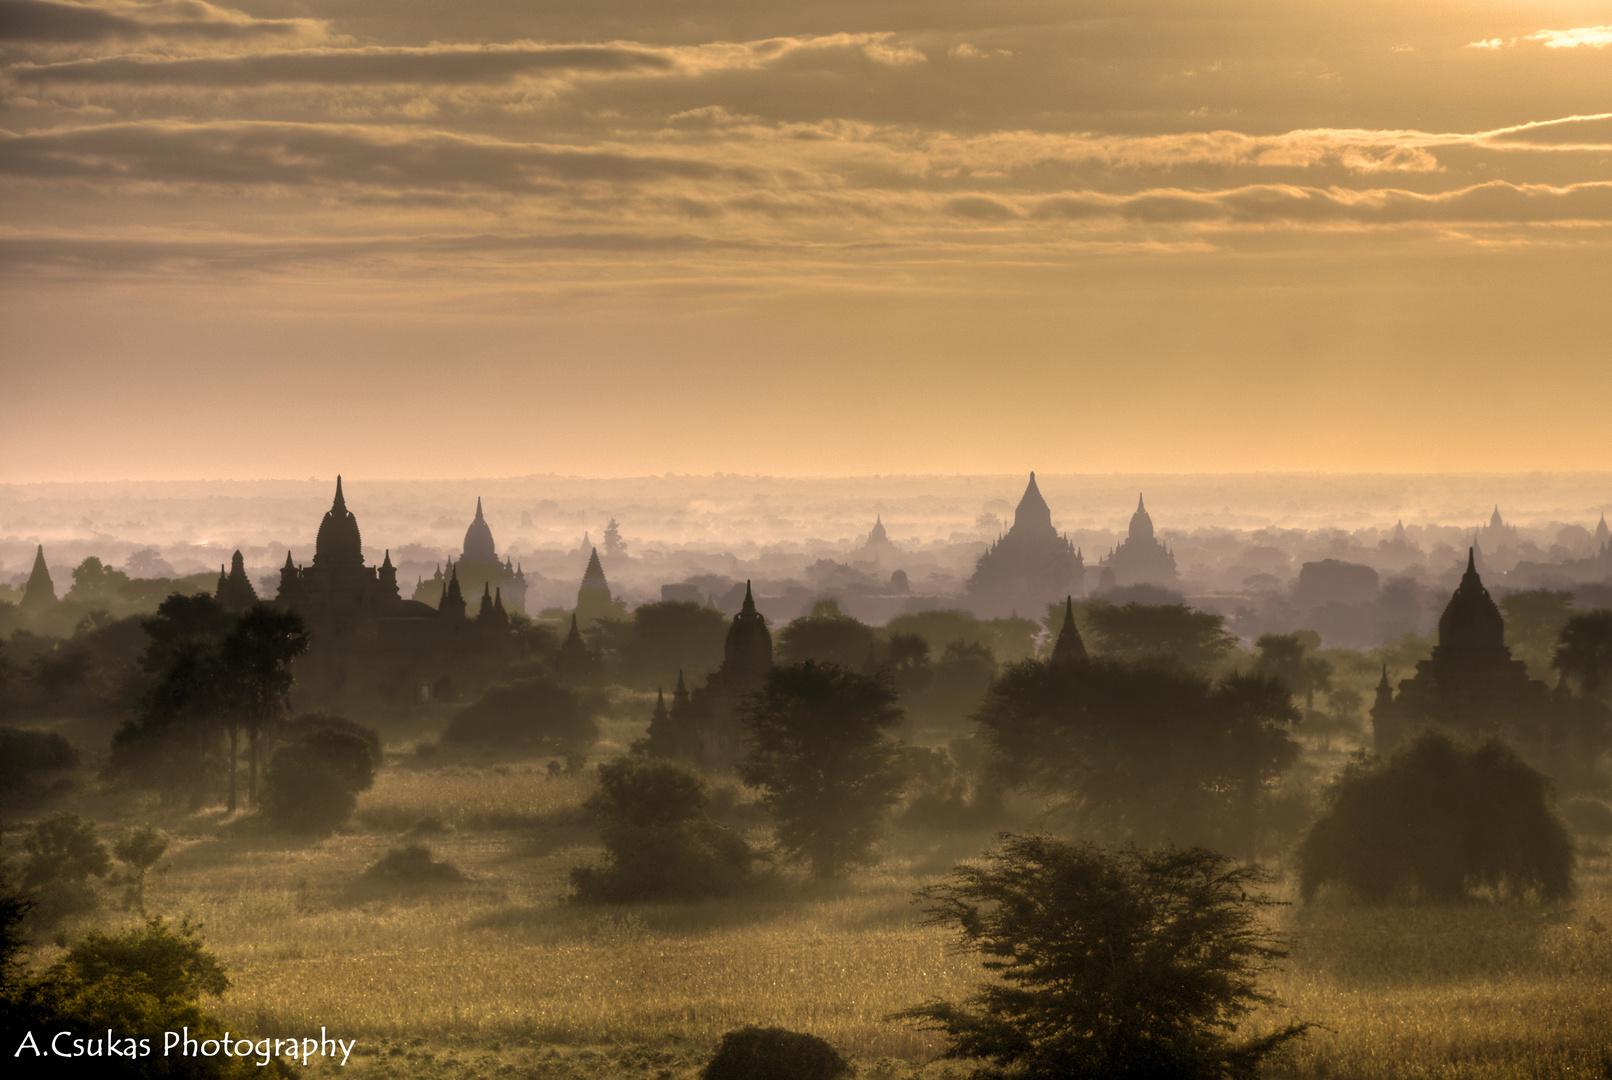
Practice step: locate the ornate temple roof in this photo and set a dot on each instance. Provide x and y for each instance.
(594, 576)
(1471, 624)
(479, 545)
(1141, 522)
(747, 652)
(1033, 516)
(339, 544)
(877, 534)
(40, 590)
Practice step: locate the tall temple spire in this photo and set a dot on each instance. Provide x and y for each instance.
(1069, 646)
(339, 505)
(40, 592)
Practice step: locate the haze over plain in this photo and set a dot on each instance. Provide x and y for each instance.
(266, 239)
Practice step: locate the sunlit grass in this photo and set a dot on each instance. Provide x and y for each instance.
(500, 971)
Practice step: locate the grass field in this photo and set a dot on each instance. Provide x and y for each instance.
(500, 976)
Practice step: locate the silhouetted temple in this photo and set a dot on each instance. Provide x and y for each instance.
(1026, 569)
(702, 727)
(235, 590)
(594, 601)
(1473, 686)
(364, 635)
(479, 564)
(1069, 646)
(1140, 557)
(40, 592)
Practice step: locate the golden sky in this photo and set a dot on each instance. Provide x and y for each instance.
(616, 237)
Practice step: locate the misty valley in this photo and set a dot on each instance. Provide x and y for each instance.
(741, 777)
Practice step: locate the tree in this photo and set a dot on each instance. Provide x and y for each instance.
(141, 983)
(1289, 658)
(24, 755)
(818, 751)
(1585, 650)
(313, 779)
(1436, 821)
(1143, 754)
(1106, 964)
(1534, 622)
(64, 852)
(1172, 634)
(672, 636)
(825, 636)
(257, 654)
(613, 543)
(758, 1053)
(139, 849)
(661, 843)
(532, 715)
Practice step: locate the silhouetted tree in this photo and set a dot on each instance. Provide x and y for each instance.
(613, 544)
(1435, 821)
(1585, 650)
(1171, 634)
(256, 660)
(1534, 622)
(64, 852)
(1143, 754)
(825, 636)
(662, 845)
(26, 755)
(672, 636)
(1290, 658)
(139, 849)
(818, 751)
(1106, 965)
(529, 715)
(314, 777)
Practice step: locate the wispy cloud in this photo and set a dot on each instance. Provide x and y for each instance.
(57, 22)
(1596, 37)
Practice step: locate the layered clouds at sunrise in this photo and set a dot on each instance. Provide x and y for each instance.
(1194, 215)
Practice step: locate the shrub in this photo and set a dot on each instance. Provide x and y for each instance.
(312, 782)
(662, 845)
(533, 715)
(758, 1053)
(26, 754)
(412, 865)
(1122, 964)
(139, 984)
(64, 852)
(1436, 821)
(139, 849)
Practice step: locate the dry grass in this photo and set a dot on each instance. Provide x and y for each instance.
(499, 975)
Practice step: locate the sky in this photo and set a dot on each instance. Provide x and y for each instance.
(393, 238)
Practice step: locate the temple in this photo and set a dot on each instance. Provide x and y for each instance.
(1140, 558)
(235, 590)
(479, 567)
(40, 592)
(703, 726)
(1027, 568)
(363, 636)
(1474, 687)
(1069, 647)
(594, 601)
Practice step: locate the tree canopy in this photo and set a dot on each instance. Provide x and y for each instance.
(1106, 964)
(1171, 634)
(819, 753)
(1143, 754)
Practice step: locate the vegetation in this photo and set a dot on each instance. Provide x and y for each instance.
(1585, 651)
(139, 849)
(661, 843)
(825, 636)
(534, 716)
(1141, 754)
(64, 852)
(1435, 823)
(1106, 964)
(313, 780)
(1171, 635)
(819, 754)
(27, 756)
(757, 1053)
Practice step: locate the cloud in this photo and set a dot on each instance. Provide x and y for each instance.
(299, 155)
(56, 22)
(348, 67)
(1597, 37)
(1569, 133)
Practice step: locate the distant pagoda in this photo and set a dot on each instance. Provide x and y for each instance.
(1027, 568)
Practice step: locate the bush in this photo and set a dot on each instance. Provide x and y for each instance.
(412, 865)
(662, 845)
(26, 754)
(1435, 822)
(533, 715)
(139, 984)
(757, 1053)
(312, 782)
(1107, 964)
(64, 852)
